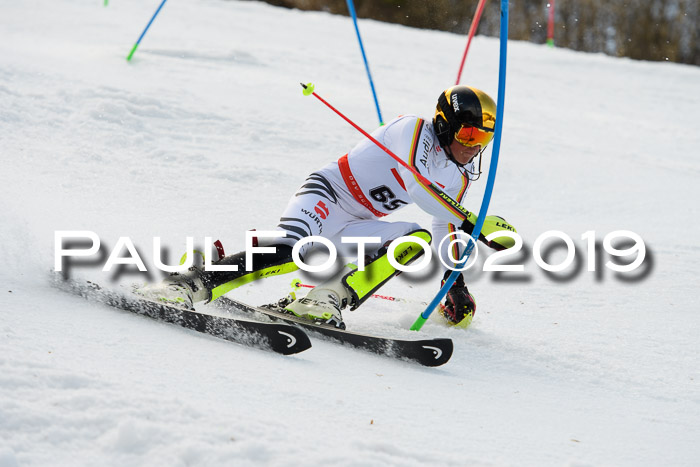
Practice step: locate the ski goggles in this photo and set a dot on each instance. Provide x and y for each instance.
(472, 136)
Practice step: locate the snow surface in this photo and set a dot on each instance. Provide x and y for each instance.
(206, 133)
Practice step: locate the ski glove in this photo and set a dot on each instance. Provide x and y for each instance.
(491, 224)
(459, 307)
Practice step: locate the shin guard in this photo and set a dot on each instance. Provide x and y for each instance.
(362, 284)
(214, 284)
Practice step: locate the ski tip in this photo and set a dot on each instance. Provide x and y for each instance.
(291, 340)
(435, 352)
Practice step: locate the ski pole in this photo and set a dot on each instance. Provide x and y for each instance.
(144, 31)
(453, 206)
(351, 7)
(420, 321)
(296, 284)
(472, 30)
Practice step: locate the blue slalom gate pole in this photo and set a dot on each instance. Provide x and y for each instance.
(144, 31)
(351, 7)
(491, 178)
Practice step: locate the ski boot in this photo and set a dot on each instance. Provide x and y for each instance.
(181, 291)
(353, 287)
(323, 304)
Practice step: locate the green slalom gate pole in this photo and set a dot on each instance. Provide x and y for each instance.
(133, 49)
(423, 317)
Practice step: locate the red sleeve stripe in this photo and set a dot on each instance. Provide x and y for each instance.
(463, 190)
(412, 162)
(414, 145)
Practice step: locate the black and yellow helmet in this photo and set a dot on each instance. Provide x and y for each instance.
(466, 114)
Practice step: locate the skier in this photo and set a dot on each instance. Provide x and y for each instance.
(348, 197)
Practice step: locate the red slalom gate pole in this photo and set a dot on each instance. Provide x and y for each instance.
(472, 31)
(550, 25)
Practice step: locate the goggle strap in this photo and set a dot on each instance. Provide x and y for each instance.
(448, 112)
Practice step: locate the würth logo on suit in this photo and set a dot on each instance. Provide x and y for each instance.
(321, 210)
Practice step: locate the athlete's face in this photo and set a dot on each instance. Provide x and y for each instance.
(463, 154)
